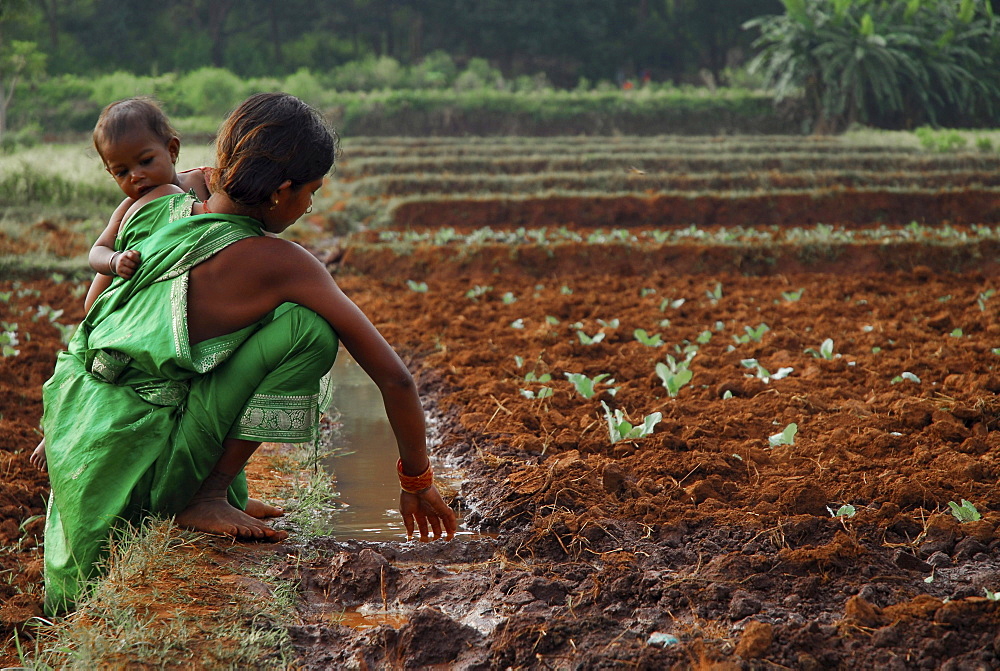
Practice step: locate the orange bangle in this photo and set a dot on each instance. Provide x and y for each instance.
(414, 484)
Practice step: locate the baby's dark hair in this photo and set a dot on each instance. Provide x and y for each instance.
(270, 138)
(123, 116)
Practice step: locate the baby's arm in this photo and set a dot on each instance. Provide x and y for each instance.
(103, 257)
(196, 179)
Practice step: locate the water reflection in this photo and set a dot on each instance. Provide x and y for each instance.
(364, 460)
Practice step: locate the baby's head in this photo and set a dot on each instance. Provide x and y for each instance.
(138, 145)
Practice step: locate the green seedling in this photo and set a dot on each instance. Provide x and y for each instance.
(992, 596)
(786, 437)
(611, 324)
(715, 295)
(846, 510)
(727, 394)
(46, 311)
(957, 333)
(8, 343)
(825, 350)
(508, 298)
(966, 512)
(552, 321)
(66, 331)
(565, 290)
(78, 290)
(621, 429)
(5, 296)
(792, 296)
(646, 292)
(519, 360)
(419, 287)
(752, 333)
(672, 304)
(944, 299)
(476, 292)
(544, 392)
(532, 377)
(648, 340)
(587, 387)
(762, 373)
(673, 381)
(590, 340)
(517, 324)
(980, 301)
(905, 375)
(704, 337)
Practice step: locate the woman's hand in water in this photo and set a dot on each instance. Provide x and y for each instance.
(428, 512)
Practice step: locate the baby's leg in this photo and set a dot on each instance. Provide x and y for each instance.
(37, 457)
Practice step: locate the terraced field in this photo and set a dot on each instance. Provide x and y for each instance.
(721, 402)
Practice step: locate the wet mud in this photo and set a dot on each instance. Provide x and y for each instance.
(706, 544)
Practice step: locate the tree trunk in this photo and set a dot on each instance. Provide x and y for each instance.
(218, 11)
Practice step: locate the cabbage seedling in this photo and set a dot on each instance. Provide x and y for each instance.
(621, 429)
(786, 437)
(754, 334)
(762, 373)
(476, 292)
(509, 298)
(825, 350)
(672, 304)
(544, 392)
(590, 340)
(792, 296)
(673, 380)
(846, 510)
(715, 295)
(983, 297)
(9, 342)
(611, 324)
(517, 324)
(906, 375)
(419, 287)
(587, 387)
(992, 596)
(966, 512)
(648, 340)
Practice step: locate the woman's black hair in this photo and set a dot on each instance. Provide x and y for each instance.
(270, 138)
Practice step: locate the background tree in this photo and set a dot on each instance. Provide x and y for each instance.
(884, 62)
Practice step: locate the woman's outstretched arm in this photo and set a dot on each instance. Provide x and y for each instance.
(272, 271)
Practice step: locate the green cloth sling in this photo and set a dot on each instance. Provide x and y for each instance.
(135, 415)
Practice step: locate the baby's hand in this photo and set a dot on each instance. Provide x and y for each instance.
(126, 263)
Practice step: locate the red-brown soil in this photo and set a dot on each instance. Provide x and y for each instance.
(699, 546)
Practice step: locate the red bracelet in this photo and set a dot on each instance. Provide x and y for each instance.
(414, 484)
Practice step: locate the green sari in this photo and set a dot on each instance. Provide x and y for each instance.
(135, 415)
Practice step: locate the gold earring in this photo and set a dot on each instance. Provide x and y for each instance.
(275, 204)
(309, 209)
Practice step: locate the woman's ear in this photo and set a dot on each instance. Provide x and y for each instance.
(276, 194)
(174, 148)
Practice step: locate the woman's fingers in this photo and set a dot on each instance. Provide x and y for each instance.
(429, 513)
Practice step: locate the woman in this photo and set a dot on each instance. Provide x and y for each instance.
(217, 343)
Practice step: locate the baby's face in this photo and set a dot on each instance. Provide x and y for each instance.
(141, 161)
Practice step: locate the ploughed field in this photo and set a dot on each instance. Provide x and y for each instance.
(718, 401)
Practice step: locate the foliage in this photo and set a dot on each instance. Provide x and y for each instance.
(964, 512)
(587, 387)
(620, 428)
(882, 61)
(784, 437)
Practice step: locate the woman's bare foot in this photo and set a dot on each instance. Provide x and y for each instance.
(37, 457)
(260, 510)
(217, 516)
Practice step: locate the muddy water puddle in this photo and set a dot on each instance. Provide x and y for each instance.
(364, 459)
